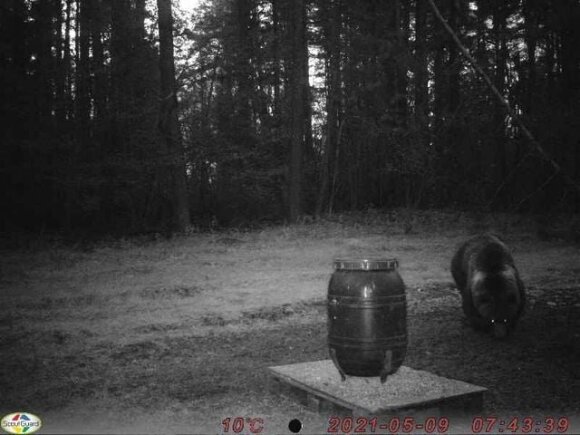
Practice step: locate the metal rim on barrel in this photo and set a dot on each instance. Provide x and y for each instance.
(366, 264)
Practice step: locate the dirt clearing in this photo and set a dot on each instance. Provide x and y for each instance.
(175, 335)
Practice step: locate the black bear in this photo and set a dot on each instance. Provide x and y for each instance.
(492, 292)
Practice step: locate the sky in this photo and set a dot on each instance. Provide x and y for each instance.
(188, 5)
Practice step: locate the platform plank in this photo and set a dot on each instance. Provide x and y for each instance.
(318, 386)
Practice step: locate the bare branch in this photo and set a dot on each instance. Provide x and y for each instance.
(536, 145)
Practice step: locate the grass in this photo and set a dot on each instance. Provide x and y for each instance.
(174, 335)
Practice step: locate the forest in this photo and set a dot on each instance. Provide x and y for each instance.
(131, 116)
(176, 182)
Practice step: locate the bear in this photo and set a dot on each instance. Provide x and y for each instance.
(492, 293)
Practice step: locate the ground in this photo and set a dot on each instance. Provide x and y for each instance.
(174, 335)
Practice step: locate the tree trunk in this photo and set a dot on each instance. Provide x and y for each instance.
(499, 24)
(531, 38)
(120, 96)
(297, 28)
(305, 79)
(332, 26)
(277, 104)
(454, 62)
(98, 65)
(244, 75)
(67, 61)
(83, 103)
(400, 30)
(421, 62)
(41, 11)
(168, 122)
(60, 69)
(569, 17)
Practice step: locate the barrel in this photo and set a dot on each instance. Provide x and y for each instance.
(367, 317)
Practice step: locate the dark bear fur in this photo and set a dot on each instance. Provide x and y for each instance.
(492, 293)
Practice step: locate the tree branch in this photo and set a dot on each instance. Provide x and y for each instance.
(536, 145)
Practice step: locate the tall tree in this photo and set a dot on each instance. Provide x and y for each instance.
(297, 95)
(168, 120)
(83, 98)
(421, 61)
(331, 27)
(499, 24)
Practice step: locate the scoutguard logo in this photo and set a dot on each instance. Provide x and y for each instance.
(21, 423)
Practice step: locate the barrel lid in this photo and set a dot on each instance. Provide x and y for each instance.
(366, 264)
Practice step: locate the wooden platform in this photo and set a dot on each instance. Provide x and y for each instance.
(318, 386)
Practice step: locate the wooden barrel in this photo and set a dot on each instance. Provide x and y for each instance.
(367, 317)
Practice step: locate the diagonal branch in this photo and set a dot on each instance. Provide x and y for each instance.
(536, 145)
